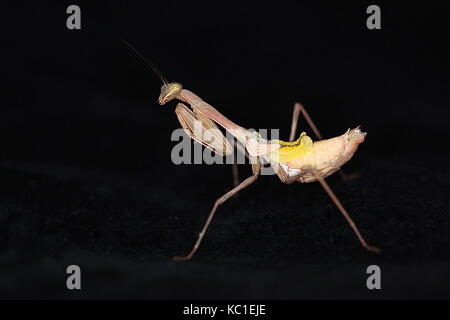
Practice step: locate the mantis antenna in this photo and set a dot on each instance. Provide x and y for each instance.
(148, 62)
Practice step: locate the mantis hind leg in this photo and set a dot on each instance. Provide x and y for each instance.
(297, 111)
(256, 169)
(289, 180)
(300, 109)
(344, 212)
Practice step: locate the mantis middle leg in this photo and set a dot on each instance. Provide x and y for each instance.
(241, 149)
(256, 169)
(235, 169)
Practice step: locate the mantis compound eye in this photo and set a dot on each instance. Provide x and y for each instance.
(175, 87)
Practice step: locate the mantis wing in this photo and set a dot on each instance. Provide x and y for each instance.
(203, 130)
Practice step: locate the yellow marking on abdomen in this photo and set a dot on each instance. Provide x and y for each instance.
(292, 150)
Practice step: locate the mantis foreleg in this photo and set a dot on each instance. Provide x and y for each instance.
(203, 130)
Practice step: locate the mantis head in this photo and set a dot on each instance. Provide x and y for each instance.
(169, 91)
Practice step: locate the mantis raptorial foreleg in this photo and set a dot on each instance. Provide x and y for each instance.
(198, 127)
(300, 109)
(256, 169)
(203, 130)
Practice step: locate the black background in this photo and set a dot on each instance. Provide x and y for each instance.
(86, 176)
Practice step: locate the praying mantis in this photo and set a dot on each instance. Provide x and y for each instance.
(301, 160)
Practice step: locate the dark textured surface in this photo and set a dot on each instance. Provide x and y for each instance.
(274, 241)
(86, 176)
